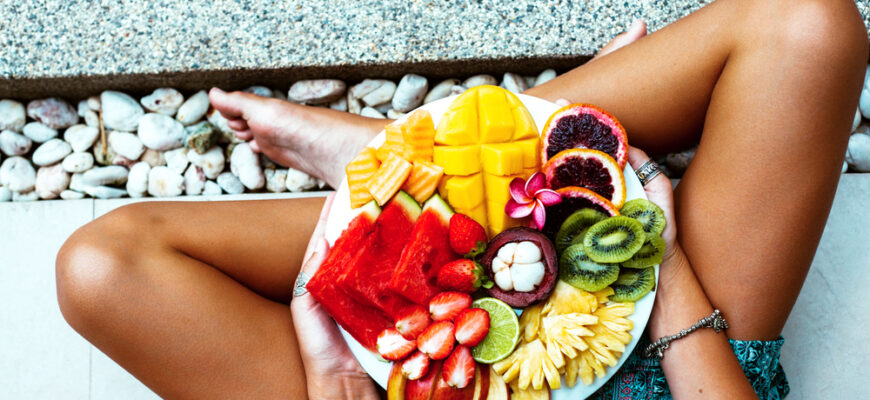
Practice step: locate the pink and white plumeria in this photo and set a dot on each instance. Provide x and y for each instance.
(531, 198)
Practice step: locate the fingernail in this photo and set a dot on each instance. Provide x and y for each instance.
(637, 24)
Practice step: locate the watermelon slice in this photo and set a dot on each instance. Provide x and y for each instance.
(415, 277)
(362, 322)
(368, 275)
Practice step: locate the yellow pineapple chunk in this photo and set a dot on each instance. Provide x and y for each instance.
(423, 181)
(458, 160)
(392, 174)
(567, 299)
(502, 158)
(358, 171)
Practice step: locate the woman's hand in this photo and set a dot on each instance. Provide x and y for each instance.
(331, 370)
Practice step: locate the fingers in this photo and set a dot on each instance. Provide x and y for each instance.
(658, 190)
(636, 31)
(563, 102)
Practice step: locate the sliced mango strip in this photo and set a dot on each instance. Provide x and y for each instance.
(359, 171)
(458, 160)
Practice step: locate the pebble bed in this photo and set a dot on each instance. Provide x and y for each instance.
(112, 145)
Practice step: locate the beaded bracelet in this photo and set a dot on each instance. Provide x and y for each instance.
(714, 320)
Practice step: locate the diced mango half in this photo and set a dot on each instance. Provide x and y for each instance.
(498, 187)
(466, 192)
(423, 181)
(389, 178)
(458, 126)
(498, 220)
(502, 158)
(477, 213)
(458, 160)
(359, 171)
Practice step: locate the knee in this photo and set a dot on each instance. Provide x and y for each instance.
(829, 30)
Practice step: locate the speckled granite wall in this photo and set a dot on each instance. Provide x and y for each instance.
(49, 46)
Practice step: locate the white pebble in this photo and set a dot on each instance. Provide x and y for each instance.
(545, 76)
(845, 167)
(92, 119)
(211, 189)
(76, 183)
(120, 111)
(154, 158)
(245, 164)
(105, 192)
(25, 196)
(478, 80)
(321, 183)
(354, 106)
(82, 108)
(371, 113)
(160, 132)
(12, 115)
(14, 144)
(457, 90)
(261, 91)
(71, 195)
(276, 180)
(514, 83)
(126, 144)
(229, 183)
(410, 92)
(857, 121)
(17, 174)
(163, 101)
(50, 152)
(78, 162)
(864, 101)
(50, 181)
(340, 104)
(365, 87)
(194, 181)
(137, 180)
(110, 175)
(441, 90)
(38, 132)
(298, 181)
(212, 161)
(164, 182)
(5, 194)
(193, 109)
(81, 137)
(94, 103)
(218, 121)
(316, 91)
(53, 112)
(530, 81)
(381, 95)
(176, 160)
(858, 152)
(393, 114)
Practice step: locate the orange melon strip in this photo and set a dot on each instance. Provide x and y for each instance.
(358, 171)
(386, 182)
(423, 181)
(419, 136)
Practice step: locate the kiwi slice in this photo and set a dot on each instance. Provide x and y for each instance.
(651, 216)
(614, 240)
(576, 269)
(633, 284)
(649, 254)
(573, 225)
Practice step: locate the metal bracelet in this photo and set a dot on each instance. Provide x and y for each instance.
(714, 320)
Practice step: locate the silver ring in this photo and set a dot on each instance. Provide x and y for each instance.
(647, 171)
(299, 288)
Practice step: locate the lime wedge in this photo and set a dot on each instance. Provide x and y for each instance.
(504, 331)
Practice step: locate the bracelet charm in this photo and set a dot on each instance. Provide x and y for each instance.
(714, 320)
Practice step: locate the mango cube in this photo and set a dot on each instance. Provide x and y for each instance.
(459, 126)
(502, 158)
(524, 125)
(492, 109)
(498, 220)
(531, 152)
(466, 192)
(477, 213)
(498, 187)
(458, 160)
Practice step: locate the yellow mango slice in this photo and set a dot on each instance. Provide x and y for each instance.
(358, 171)
(423, 181)
(498, 188)
(495, 122)
(458, 160)
(477, 213)
(531, 152)
(502, 158)
(497, 220)
(465, 192)
(391, 175)
(528, 172)
(459, 124)
(442, 186)
(524, 125)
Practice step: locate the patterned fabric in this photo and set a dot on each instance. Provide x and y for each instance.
(642, 378)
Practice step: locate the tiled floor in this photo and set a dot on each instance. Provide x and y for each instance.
(42, 358)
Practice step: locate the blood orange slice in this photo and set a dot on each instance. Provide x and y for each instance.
(590, 169)
(584, 126)
(575, 198)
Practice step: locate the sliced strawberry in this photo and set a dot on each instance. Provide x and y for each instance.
(437, 340)
(447, 305)
(392, 346)
(466, 236)
(412, 320)
(472, 325)
(458, 369)
(463, 275)
(415, 366)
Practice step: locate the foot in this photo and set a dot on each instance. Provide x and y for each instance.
(636, 31)
(318, 141)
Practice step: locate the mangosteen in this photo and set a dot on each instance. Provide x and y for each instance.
(523, 265)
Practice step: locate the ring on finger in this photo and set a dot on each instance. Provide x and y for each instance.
(299, 288)
(647, 171)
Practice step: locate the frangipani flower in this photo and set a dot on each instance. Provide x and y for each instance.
(531, 198)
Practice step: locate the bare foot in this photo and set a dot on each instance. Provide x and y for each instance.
(316, 140)
(636, 31)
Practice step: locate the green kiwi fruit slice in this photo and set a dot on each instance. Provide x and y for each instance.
(576, 269)
(576, 223)
(649, 254)
(614, 240)
(633, 284)
(651, 216)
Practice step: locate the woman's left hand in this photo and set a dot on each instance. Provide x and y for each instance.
(331, 370)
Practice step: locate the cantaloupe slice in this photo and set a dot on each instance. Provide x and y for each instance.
(418, 137)
(423, 181)
(389, 178)
(358, 171)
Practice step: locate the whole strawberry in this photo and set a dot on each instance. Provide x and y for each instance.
(463, 275)
(466, 236)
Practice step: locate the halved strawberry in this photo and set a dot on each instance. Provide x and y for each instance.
(437, 340)
(412, 320)
(447, 305)
(466, 236)
(458, 369)
(472, 325)
(392, 346)
(415, 366)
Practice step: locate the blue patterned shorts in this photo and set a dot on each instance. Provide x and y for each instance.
(642, 378)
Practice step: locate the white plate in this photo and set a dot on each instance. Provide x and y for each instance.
(341, 214)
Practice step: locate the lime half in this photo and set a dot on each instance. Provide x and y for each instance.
(504, 331)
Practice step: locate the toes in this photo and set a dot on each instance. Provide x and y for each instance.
(234, 105)
(244, 134)
(237, 124)
(636, 31)
(255, 147)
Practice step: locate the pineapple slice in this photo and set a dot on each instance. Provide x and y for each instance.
(530, 366)
(567, 299)
(528, 393)
(564, 335)
(603, 295)
(530, 322)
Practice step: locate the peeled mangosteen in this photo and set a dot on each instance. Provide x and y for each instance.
(522, 296)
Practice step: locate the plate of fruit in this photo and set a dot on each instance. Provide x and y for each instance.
(492, 246)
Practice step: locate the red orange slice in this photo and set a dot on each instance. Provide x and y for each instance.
(591, 169)
(584, 126)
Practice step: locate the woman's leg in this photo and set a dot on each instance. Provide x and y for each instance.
(191, 298)
(773, 85)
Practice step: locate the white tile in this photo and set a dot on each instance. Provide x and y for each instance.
(825, 353)
(42, 357)
(109, 381)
